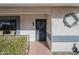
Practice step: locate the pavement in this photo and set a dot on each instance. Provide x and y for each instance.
(39, 48)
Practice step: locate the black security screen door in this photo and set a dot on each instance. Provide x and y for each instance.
(41, 29)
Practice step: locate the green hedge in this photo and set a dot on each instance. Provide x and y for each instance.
(13, 45)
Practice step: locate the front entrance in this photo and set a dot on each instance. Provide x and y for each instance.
(41, 29)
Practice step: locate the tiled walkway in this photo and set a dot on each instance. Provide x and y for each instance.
(39, 48)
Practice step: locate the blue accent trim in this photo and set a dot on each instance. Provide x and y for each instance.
(65, 38)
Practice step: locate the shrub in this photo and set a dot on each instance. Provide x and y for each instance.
(13, 45)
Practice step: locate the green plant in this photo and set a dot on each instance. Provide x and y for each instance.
(13, 45)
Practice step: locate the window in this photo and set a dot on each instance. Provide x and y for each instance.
(7, 26)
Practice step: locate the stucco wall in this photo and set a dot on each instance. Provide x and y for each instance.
(24, 10)
(49, 30)
(27, 27)
(62, 36)
(26, 24)
(57, 19)
(27, 17)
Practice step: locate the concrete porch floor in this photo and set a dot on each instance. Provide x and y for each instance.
(39, 48)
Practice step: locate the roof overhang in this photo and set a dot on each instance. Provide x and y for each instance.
(36, 4)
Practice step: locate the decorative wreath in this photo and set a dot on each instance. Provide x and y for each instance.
(74, 17)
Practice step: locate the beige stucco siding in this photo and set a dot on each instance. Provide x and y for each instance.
(25, 10)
